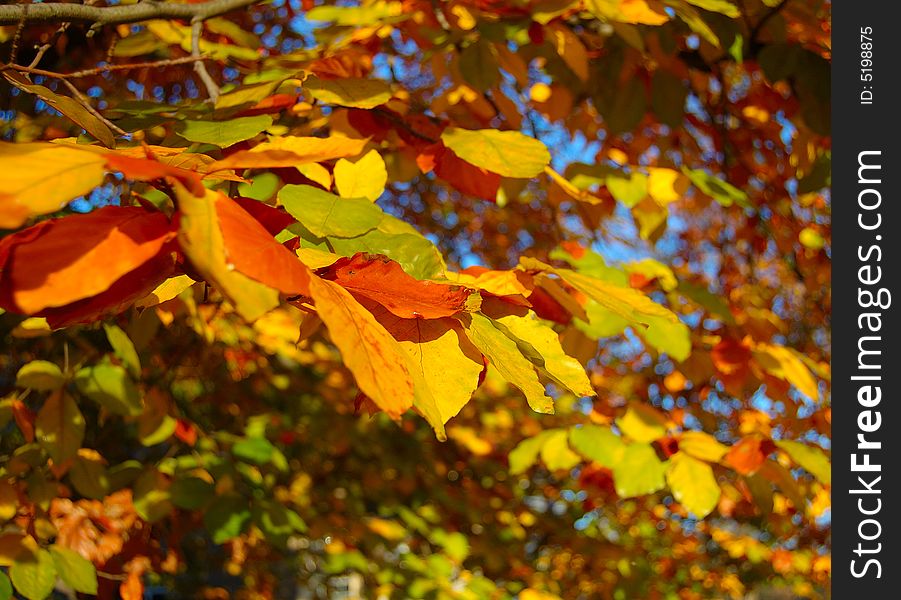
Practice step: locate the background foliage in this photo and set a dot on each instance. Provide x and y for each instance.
(415, 299)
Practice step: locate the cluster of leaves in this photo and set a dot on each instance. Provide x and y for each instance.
(276, 334)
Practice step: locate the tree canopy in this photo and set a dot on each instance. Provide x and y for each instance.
(461, 299)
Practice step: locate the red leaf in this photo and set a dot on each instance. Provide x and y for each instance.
(186, 432)
(384, 281)
(24, 418)
(467, 178)
(62, 261)
(272, 219)
(255, 253)
(270, 104)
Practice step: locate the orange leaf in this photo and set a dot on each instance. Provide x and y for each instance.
(61, 261)
(143, 169)
(379, 364)
(749, 454)
(24, 418)
(382, 280)
(132, 588)
(255, 253)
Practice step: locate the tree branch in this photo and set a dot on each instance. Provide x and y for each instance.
(111, 15)
(200, 68)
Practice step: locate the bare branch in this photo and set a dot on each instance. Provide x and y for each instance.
(111, 15)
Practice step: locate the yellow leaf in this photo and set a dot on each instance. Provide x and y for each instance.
(165, 291)
(9, 501)
(666, 185)
(785, 364)
(693, 484)
(555, 452)
(505, 356)
(643, 12)
(702, 445)
(40, 178)
(365, 178)
(469, 438)
(292, 151)
(201, 239)
(499, 283)
(377, 361)
(551, 358)
(642, 423)
(507, 153)
(352, 92)
(390, 530)
(317, 173)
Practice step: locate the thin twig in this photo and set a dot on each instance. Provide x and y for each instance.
(87, 104)
(49, 44)
(104, 69)
(200, 68)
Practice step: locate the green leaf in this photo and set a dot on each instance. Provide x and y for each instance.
(34, 575)
(6, 587)
(75, 570)
(223, 133)
(110, 386)
(597, 443)
(226, 518)
(351, 92)
(507, 153)
(328, 215)
(60, 426)
(191, 493)
(41, 376)
(506, 357)
(812, 459)
(723, 192)
(276, 521)
(665, 336)
(151, 496)
(257, 451)
(693, 484)
(89, 477)
(124, 349)
(638, 472)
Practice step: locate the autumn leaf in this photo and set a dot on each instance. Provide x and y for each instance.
(352, 92)
(382, 280)
(291, 151)
(54, 263)
(377, 361)
(202, 239)
(506, 357)
(28, 189)
(693, 483)
(364, 178)
(507, 153)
